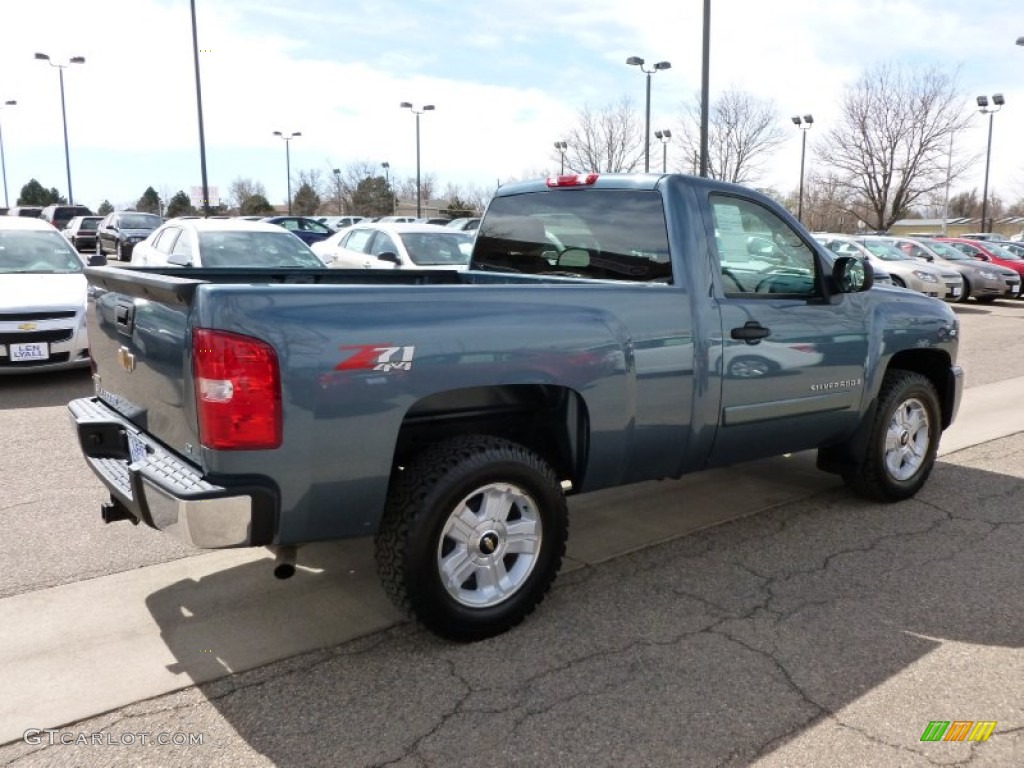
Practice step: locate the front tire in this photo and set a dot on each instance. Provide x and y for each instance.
(966, 293)
(903, 439)
(472, 537)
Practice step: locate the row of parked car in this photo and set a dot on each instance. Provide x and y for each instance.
(949, 268)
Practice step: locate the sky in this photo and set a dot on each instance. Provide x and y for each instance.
(507, 78)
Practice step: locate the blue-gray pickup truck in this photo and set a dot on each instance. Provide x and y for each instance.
(611, 329)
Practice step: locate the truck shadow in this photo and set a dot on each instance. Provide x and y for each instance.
(720, 647)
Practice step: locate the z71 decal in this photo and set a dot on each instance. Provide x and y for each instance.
(377, 357)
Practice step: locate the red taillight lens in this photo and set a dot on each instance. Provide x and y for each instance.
(572, 180)
(238, 391)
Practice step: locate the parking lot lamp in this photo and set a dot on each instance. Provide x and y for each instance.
(985, 109)
(804, 124)
(561, 146)
(337, 187)
(63, 111)
(1020, 40)
(636, 61)
(288, 162)
(3, 163)
(664, 136)
(417, 112)
(387, 183)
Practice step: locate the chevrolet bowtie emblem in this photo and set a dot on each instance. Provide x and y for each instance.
(27, 327)
(126, 359)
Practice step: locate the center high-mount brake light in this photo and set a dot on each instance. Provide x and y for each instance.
(572, 180)
(238, 391)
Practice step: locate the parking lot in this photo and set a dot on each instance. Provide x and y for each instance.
(756, 615)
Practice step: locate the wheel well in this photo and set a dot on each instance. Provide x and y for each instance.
(550, 420)
(934, 364)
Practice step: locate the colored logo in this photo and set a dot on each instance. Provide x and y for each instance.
(958, 730)
(375, 357)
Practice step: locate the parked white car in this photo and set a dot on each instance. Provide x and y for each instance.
(42, 299)
(397, 246)
(222, 243)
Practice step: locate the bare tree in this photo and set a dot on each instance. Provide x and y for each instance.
(608, 139)
(406, 189)
(826, 204)
(241, 190)
(743, 131)
(890, 147)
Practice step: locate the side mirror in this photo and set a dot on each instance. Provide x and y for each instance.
(852, 275)
(97, 260)
(179, 260)
(390, 256)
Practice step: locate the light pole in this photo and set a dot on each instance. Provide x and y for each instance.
(199, 114)
(288, 162)
(417, 112)
(63, 112)
(387, 183)
(636, 61)
(804, 124)
(3, 163)
(337, 187)
(664, 136)
(983, 107)
(561, 146)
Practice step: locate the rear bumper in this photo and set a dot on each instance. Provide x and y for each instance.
(168, 493)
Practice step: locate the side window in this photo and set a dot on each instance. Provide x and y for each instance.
(358, 240)
(165, 242)
(290, 224)
(383, 243)
(183, 246)
(760, 254)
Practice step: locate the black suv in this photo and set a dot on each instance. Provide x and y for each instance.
(121, 230)
(60, 215)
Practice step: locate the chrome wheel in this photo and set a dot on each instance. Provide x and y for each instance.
(907, 439)
(489, 545)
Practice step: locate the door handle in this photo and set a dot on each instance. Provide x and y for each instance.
(751, 332)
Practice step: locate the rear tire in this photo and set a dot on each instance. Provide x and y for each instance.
(472, 537)
(903, 439)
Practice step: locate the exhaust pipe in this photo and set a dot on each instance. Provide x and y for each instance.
(284, 563)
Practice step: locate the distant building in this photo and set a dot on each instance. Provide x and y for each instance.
(1010, 226)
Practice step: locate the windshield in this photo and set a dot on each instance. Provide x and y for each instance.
(438, 248)
(255, 249)
(141, 221)
(884, 251)
(36, 253)
(1000, 252)
(947, 251)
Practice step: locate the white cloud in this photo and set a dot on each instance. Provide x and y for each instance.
(133, 102)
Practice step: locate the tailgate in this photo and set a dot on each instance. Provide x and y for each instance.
(138, 324)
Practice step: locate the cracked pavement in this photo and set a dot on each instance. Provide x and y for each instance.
(828, 631)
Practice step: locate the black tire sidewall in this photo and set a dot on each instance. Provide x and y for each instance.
(427, 595)
(917, 387)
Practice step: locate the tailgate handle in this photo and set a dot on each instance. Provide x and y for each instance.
(124, 317)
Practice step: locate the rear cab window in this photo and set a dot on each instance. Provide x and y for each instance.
(594, 234)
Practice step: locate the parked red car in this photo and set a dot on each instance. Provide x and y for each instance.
(986, 251)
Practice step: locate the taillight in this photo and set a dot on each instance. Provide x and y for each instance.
(572, 180)
(238, 391)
